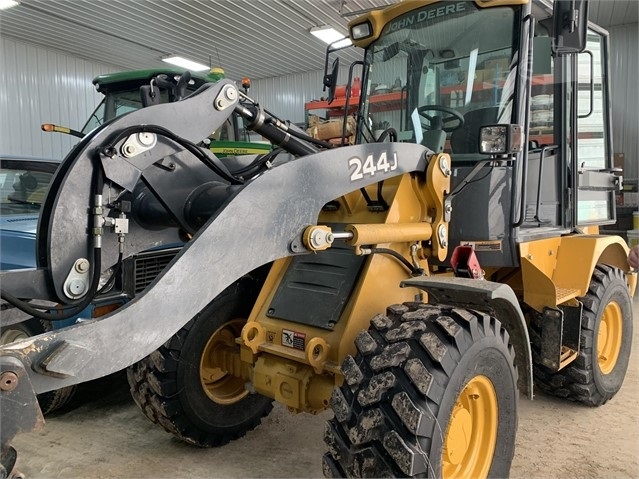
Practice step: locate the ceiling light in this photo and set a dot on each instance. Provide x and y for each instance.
(4, 4)
(329, 35)
(184, 63)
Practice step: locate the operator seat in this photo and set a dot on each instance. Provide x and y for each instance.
(466, 138)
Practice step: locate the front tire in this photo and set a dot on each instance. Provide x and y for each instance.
(182, 388)
(606, 338)
(51, 400)
(431, 393)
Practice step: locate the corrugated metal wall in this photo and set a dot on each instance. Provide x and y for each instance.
(624, 95)
(43, 86)
(285, 96)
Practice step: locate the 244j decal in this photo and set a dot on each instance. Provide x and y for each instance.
(369, 166)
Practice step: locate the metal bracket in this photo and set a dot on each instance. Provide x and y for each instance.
(77, 284)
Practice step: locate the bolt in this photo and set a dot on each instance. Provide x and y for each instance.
(219, 104)
(231, 93)
(82, 266)
(146, 139)
(76, 287)
(128, 150)
(8, 381)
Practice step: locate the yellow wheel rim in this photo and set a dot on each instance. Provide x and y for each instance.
(220, 385)
(469, 444)
(609, 337)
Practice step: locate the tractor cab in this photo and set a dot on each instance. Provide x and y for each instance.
(502, 88)
(129, 91)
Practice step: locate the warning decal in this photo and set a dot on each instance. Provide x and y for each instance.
(488, 245)
(293, 339)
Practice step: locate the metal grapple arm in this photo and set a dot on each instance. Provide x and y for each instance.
(256, 223)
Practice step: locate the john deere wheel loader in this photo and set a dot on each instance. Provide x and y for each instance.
(414, 282)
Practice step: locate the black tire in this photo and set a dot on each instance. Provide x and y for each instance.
(393, 412)
(593, 379)
(167, 384)
(51, 400)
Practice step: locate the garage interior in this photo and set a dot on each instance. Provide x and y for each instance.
(50, 52)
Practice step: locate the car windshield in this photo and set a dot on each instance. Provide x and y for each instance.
(23, 186)
(438, 71)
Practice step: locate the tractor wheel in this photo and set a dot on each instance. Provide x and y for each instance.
(431, 392)
(606, 336)
(184, 387)
(51, 400)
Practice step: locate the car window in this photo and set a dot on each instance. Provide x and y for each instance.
(23, 188)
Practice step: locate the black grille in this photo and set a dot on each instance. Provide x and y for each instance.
(148, 265)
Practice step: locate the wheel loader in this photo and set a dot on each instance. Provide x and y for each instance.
(415, 282)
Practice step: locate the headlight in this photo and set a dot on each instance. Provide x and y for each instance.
(500, 139)
(361, 30)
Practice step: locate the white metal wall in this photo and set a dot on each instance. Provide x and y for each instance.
(624, 95)
(285, 96)
(43, 85)
(38, 86)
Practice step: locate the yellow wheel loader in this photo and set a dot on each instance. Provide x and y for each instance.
(414, 282)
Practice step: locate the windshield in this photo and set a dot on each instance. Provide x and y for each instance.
(116, 104)
(23, 186)
(438, 73)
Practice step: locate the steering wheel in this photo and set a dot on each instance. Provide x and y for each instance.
(437, 122)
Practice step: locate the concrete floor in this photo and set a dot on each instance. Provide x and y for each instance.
(104, 435)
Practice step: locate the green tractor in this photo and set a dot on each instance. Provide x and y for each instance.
(131, 90)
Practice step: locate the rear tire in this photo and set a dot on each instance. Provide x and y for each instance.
(51, 400)
(606, 338)
(171, 390)
(431, 393)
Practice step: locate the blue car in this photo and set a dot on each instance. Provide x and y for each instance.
(23, 185)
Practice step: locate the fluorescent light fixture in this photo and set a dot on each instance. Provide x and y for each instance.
(4, 4)
(184, 63)
(329, 35)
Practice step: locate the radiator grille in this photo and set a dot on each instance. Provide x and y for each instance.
(147, 266)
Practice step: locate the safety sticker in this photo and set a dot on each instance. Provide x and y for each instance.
(293, 339)
(488, 245)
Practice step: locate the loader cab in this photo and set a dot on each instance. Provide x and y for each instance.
(439, 72)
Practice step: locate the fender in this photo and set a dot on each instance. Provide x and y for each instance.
(555, 270)
(497, 299)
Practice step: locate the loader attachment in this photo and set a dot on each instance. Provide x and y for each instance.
(261, 221)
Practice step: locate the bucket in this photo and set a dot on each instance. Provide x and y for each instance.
(633, 237)
(635, 220)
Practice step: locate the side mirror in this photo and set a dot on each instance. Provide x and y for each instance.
(330, 79)
(570, 26)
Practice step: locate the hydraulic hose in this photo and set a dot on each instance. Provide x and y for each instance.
(71, 310)
(78, 308)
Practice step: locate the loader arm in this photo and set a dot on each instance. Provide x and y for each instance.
(274, 208)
